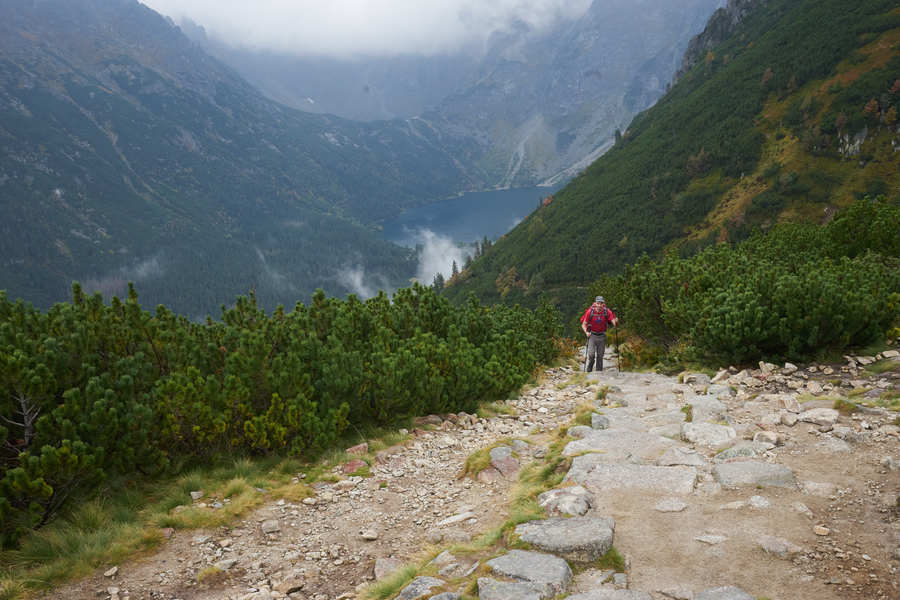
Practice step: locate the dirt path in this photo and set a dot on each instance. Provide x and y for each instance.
(328, 547)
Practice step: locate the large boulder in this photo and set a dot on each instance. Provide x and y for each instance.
(572, 501)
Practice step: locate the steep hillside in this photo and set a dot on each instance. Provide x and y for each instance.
(128, 153)
(792, 116)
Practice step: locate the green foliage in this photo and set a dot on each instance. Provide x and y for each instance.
(792, 293)
(92, 390)
(700, 147)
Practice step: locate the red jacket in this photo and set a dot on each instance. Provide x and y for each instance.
(598, 321)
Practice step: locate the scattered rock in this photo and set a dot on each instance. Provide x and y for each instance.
(419, 588)
(270, 526)
(358, 450)
(353, 466)
(778, 546)
(111, 572)
(711, 538)
(386, 566)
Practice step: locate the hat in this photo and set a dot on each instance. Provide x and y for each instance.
(600, 299)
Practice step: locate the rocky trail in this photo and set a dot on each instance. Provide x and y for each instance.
(749, 485)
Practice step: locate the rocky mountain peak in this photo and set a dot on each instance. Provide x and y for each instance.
(721, 25)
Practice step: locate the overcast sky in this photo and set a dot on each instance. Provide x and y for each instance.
(345, 28)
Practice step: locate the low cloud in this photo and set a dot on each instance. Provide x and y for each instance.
(437, 255)
(278, 280)
(115, 283)
(348, 28)
(354, 279)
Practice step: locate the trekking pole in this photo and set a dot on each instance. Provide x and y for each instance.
(584, 366)
(618, 355)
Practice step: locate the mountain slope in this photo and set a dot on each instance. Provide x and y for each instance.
(546, 105)
(540, 102)
(793, 115)
(128, 153)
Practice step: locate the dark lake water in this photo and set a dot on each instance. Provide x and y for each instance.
(467, 218)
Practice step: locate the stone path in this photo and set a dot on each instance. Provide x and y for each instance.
(740, 487)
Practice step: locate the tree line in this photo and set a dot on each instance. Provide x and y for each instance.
(92, 389)
(794, 292)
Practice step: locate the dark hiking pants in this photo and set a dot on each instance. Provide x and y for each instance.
(596, 346)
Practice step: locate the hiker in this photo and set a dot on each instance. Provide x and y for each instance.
(594, 323)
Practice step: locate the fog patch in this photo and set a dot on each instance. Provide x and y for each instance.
(275, 278)
(437, 253)
(364, 285)
(115, 283)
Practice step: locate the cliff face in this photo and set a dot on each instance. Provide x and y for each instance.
(721, 25)
(544, 107)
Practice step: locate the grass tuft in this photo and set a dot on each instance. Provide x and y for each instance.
(845, 406)
(207, 573)
(11, 589)
(688, 411)
(391, 585)
(611, 560)
(583, 413)
(492, 409)
(882, 366)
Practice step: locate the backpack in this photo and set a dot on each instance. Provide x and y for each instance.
(604, 319)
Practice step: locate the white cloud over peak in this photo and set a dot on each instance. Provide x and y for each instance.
(347, 28)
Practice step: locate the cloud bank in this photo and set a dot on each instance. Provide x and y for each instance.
(347, 28)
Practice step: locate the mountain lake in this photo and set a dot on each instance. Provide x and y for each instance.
(468, 217)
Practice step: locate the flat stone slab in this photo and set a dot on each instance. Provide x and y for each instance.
(755, 473)
(573, 501)
(681, 456)
(820, 416)
(419, 588)
(667, 505)
(708, 434)
(491, 589)
(619, 445)
(724, 593)
(779, 547)
(579, 539)
(743, 450)
(591, 471)
(549, 573)
(707, 408)
(607, 594)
